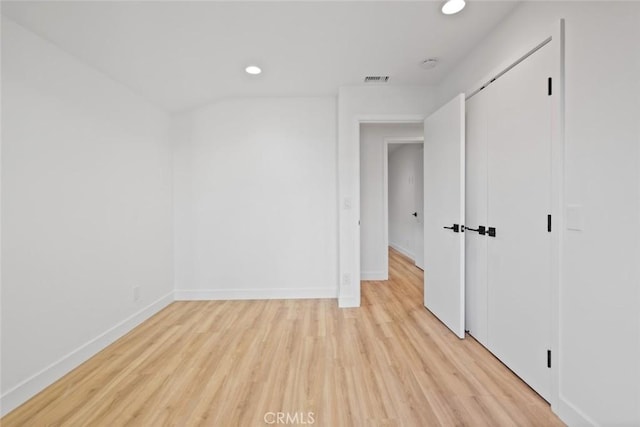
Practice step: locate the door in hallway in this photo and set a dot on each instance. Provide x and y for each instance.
(419, 209)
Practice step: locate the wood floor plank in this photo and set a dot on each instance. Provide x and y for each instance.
(227, 363)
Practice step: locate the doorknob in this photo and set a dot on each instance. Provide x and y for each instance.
(455, 228)
(481, 230)
(415, 214)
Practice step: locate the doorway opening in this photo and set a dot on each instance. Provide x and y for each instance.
(404, 197)
(390, 159)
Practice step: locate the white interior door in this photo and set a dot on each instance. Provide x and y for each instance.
(477, 110)
(419, 197)
(444, 148)
(519, 201)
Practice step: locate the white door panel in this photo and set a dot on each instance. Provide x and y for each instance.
(419, 223)
(443, 207)
(476, 216)
(519, 200)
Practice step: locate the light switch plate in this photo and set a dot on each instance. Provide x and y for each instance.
(346, 203)
(575, 219)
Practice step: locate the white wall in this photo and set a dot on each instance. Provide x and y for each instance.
(599, 354)
(405, 172)
(374, 261)
(86, 212)
(255, 212)
(366, 103)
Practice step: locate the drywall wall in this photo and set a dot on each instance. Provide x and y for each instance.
(86, 212)
(599, 315)
(405, 197)
(366, 104)
(374, 254)
(255, 210)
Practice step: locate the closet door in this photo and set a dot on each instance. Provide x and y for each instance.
(477, 109)
(519, 200)
(444, 214)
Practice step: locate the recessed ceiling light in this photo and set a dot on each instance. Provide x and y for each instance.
(253, 69)
(451, 7)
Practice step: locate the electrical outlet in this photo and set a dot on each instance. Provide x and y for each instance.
(346, 278)
(136, 293)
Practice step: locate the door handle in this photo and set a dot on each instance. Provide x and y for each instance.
(415, 214)
(455, 228)
(481, 230)
(491, 232)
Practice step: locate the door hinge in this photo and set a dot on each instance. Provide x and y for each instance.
(550, 86)
(548, 358)
(549, 223)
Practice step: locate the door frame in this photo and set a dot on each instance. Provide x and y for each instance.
(359, 120)
(385, 186)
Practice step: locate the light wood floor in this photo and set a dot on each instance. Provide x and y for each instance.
(227, 363)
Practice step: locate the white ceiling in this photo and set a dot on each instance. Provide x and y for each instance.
(181, 54)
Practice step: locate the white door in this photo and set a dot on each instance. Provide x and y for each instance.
(419, 212)
(519, 201)
(444, 214)
(476, 240)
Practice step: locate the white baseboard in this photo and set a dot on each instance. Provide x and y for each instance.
(403, 251)
(374, 275)
(571, 415)
(254, 294)
(28, 388)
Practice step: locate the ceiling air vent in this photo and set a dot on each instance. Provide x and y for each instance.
(376, 79)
